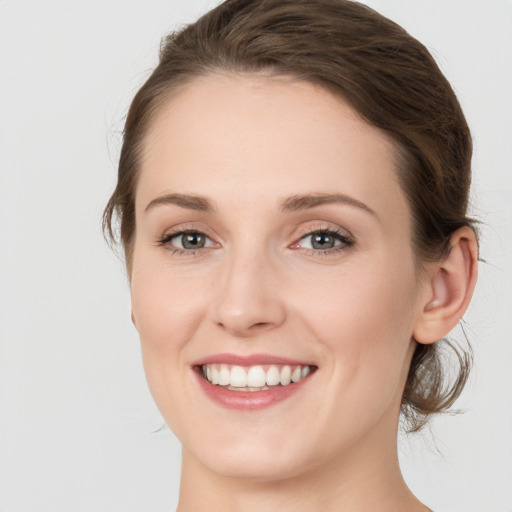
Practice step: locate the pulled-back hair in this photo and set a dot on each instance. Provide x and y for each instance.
(380, 70)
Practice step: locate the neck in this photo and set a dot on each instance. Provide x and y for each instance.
(366, 478)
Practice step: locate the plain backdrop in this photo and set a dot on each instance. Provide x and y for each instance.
(78, 429)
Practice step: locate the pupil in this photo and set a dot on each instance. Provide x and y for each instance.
(193, 241)
(322, 242)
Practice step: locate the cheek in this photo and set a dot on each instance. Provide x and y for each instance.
(364, 318)
(165, 299)
(366, 293)
(167, 309)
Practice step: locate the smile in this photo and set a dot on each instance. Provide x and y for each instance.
(251, 382)
(254, 378)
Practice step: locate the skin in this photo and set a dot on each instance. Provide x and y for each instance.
(246, 143)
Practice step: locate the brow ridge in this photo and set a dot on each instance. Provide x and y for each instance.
(303, 202)
(296, 202)
(188, 201)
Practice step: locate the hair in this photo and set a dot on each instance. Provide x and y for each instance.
(372, 63)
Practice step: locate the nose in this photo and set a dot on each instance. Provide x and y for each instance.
(249, 298)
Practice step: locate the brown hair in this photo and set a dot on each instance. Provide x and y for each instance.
(385, 74)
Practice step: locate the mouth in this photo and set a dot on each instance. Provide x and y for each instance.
(235, 383)
(254, 378)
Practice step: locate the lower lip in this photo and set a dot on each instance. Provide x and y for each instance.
(249, 400)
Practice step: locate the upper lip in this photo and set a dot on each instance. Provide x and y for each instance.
(249, 360)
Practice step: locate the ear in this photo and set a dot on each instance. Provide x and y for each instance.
(449, 288)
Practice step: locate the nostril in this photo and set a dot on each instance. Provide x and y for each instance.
(252, 328)
(259, 325)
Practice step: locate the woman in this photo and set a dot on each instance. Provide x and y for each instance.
(292, 199)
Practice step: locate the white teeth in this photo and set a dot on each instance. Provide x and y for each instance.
(273, 376)
(253, 378)
(224, 375)
(296, 374)
(237, 378)
(264, 388)
(286, 376)
(256, 377)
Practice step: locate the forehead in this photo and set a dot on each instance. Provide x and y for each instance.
(264, 139)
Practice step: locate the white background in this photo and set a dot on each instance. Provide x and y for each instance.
(76, 419)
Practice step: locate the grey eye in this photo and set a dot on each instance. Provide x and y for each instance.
(191, 240)
(323, 241)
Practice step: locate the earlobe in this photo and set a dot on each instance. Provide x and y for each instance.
(449, 288)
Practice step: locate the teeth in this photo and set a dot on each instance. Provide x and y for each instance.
(286, 376)
(215, 375)
(256, 377)
(237, 378)
(224, 375)
(253, 378)
(264, 388)
(273, 376)
(296, 374)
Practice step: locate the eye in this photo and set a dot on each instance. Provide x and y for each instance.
(326, 240)
(187, 241)
(321, 241)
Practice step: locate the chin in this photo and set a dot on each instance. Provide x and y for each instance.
(259, 455)
(256, 464)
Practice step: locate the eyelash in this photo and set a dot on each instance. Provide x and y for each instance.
(177, 251)
(346, 242)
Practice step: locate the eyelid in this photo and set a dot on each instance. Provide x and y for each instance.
(179, 230)
(186, 227)
(208, 241)
(323, 227)
(343, 236)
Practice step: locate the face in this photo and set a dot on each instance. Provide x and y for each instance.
(273, 257)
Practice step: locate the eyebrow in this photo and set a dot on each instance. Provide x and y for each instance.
(290, 204)
(304, 202)
(188, 201)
